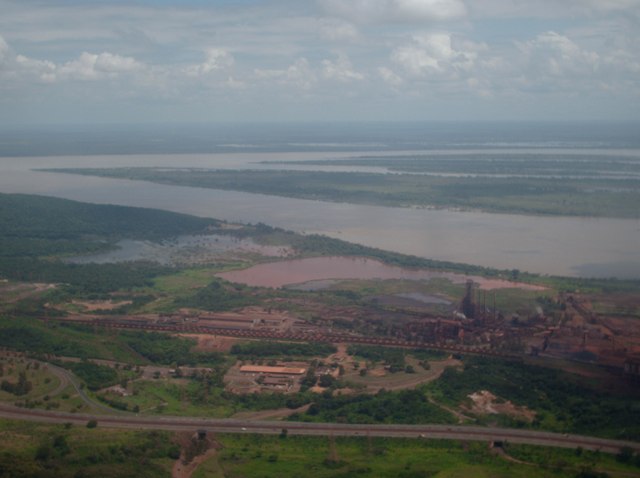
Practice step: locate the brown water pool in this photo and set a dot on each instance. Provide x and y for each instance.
(298, 271)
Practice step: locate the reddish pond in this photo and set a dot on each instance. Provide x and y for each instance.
(297, 271)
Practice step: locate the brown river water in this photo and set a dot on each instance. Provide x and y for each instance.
(572, 246)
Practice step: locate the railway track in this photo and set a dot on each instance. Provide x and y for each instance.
(271, 335)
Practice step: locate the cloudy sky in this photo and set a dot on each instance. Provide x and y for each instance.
(90, 61)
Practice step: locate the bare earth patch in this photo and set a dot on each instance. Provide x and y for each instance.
(275, 414)
(211, 343)
(493, 284)
(340, 355)
(93, 305)
(378, 372)
(486, 403)
(194, 452)
(12, 292)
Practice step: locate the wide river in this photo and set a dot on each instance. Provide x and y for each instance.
(588, 247)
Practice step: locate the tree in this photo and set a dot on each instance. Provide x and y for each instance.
(326, 380)
(625, 455)
(21, 388)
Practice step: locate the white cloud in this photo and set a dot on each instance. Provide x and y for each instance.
(441, 64)
(4, 49)
(88, 66)
(556, 54)
(622, 61)
(337, 30)
(551, 8)
(429, 10)
(44, 70)
(91, 66)
(340, 70)
(299, 74)
(20, 67)
(216, 60)
(435, 54)
(555, 62)
(410, 11)
(110, 63)
(4, 57)
(390, 77)
(5, 69)
(600, 6)
(551, 61)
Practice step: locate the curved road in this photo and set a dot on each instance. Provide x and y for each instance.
(66, 378)
(450, 432)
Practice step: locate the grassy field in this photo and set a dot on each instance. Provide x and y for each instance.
(42, 381)
(40, 338)
(61, 451)
(178, 397)
(264, 456)
(181, 284)
(558, 459)
(32, 449)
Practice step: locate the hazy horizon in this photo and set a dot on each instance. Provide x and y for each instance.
(248, 137)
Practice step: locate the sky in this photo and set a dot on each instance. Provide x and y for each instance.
(116, 61)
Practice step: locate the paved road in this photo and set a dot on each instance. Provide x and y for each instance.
(62, 376)
(67, 377)
(466, 433)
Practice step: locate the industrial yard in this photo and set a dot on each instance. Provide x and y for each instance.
(562, 326)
